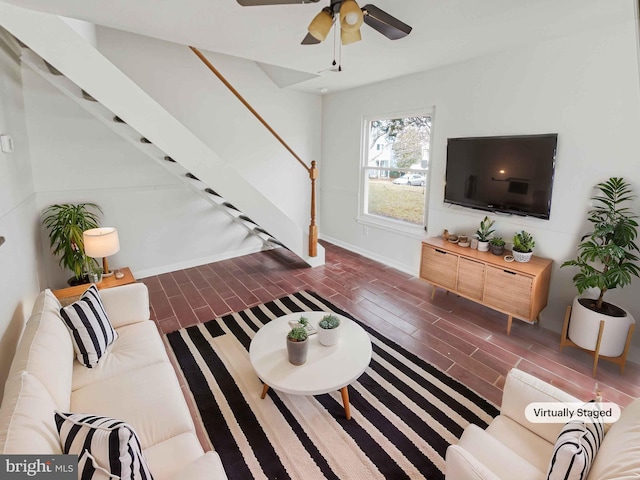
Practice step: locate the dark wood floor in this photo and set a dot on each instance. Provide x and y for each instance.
(464, 339)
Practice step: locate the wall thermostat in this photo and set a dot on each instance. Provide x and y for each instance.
(6, 143)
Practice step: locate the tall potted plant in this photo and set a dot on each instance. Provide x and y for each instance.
(65, 224)
(606, 260)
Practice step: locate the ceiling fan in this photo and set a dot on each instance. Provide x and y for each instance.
(349, 15)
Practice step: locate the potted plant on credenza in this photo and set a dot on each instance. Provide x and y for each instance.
(606, 260)
(484, 234)
(523, 244)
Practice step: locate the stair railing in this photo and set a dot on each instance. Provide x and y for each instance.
(311, 170)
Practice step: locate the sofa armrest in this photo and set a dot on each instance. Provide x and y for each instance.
(126, 304)
(462, 465)
(521, 389)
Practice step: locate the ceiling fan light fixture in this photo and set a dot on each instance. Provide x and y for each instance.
(351, 16)
(321, 24)
(350, 37)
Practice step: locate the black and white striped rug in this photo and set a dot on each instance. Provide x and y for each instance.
(405, 412)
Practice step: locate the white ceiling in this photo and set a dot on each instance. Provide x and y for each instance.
(444, 31)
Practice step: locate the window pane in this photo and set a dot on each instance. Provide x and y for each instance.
(398, 201)
(395, 168)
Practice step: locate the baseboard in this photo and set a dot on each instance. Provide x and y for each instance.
(371, 255)
(150, 272)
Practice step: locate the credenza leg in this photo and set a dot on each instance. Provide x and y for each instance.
(509, 321)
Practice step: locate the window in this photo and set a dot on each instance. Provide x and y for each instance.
(395, 170)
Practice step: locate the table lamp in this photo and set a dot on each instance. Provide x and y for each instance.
(101, 242)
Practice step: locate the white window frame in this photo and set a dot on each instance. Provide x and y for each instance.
(376, 221)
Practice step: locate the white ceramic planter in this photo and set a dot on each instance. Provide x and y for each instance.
(585, 324)
(328, 336)
(483, 246)
(521, 257)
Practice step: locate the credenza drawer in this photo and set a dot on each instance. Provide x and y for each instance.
(508, 291)
(471, 278)
(439, 267)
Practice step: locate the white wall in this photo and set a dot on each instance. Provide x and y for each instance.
(18, 216)
(584, 87)
(162, 224)
(182, 84)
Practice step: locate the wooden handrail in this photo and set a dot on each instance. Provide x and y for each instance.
(312, 170)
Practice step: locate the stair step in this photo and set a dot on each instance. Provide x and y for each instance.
(212, 192)
(229, 205)
(169, 159)
(145, 140)
(191, 176)
(246, 219)
(117, 119)
(261, 230)
(51, 68)
(22, 44)
(276, 242)
(86, 96)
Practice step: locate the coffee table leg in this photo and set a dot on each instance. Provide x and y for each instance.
(345, 402)
(265, 389)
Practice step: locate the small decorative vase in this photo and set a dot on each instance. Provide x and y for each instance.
(328, 336)
(522, 257)
(474, 242)
(483, 246)
(94, 277)
(297, 351)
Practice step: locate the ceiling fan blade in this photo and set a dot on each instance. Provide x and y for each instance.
(255, 3)
(384, 23)
(309, 40)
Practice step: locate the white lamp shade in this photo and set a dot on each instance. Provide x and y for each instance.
(101, 242)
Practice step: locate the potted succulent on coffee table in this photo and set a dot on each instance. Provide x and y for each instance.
(606, 260)
(484, 234)
(328, 331)
(523, 244)
(496, 245)
(298, 343)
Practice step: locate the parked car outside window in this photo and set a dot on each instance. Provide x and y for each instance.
(410, 179)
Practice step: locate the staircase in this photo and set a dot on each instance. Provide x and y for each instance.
(82, 73)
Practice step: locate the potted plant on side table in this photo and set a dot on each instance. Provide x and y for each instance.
(523, 244)
(328, 331)
(484, 234)
(298, 343)
(65, 224)
(606, 260)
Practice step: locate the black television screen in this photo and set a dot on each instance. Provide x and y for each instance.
(511, 174)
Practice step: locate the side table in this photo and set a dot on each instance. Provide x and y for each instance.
(107, 282)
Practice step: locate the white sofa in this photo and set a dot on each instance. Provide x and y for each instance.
(134, 382)
(514, 448)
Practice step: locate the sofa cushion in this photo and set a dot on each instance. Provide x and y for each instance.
(208, 466)
(618, 454)
(45, 349)
(171, 456)
(90, 328)
(496, 456)
(575, 450)
(26, 418)
(138, 345)
(126, 304)
(109, 443)
(149, 399)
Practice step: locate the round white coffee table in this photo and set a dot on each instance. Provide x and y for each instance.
(327, 368)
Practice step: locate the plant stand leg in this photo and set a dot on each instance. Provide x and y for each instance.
(626, 348)
(265, 389)
(564, 339)
(345, 402)
(596, 353)
(433, 292)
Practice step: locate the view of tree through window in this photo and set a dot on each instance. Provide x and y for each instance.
(395, 168)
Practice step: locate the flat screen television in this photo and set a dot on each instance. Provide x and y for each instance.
(511, 174)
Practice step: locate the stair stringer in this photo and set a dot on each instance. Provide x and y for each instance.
(57, 43)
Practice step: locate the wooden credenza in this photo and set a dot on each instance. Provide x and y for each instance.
(517, 289)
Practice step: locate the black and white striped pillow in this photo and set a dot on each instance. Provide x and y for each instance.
(91, 330)
(575, 450)
(107, 448)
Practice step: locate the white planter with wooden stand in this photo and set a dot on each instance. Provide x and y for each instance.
(603, 336)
